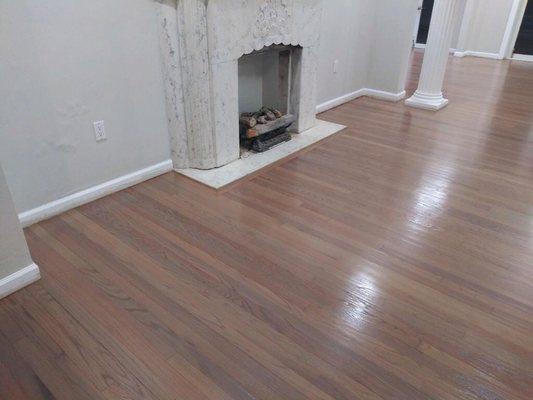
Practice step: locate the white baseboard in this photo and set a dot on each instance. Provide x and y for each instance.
(377, 94)
(423, 47)
(522, 57)
(468, 53)
(387, 96)
(340, 100)
(66, 203)
(19, 279)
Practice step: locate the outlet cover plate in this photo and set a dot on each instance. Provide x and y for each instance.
(99, 131)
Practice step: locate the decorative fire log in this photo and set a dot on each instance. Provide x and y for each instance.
(270, 116)
(248, 121)
(277, 113)
(264, 116)
(262, 120)
(262, 129)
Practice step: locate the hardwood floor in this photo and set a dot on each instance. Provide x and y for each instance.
(393, 261)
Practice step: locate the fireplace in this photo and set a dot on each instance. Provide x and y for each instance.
(217, 40)
(214, 35)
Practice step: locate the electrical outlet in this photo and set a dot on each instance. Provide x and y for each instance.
(335, 66)
(99, 131)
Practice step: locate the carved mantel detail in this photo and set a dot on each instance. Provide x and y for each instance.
(237, 27)
(272, 19)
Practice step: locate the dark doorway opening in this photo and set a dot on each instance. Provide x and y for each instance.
(425, 20)
(524, 42)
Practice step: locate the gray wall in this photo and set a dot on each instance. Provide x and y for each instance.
(67, 63)
(14, 254)
(347, 34)
(251, 83)
(369, 40)
(392, 44)
(459, 23)
(259, 81)
(63, 65)
(484, 25)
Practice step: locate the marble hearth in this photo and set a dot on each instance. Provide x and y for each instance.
(202, 80)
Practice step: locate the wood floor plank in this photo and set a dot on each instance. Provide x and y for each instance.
(393, 261)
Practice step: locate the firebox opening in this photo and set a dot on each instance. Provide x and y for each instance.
(264, 98)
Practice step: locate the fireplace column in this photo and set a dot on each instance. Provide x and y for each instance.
(303, 88)
(429, 93)
(210, 90)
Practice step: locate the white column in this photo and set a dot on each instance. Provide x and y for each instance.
(429, 92)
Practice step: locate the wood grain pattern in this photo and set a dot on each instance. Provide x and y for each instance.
(392, 261)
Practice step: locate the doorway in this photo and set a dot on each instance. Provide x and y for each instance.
(423, 21)
(425, 11)
(524, 42)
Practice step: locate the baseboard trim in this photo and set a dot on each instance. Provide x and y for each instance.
(66, 203)
(522, 57)
(377, 94)
(19, 279)
(328, 105)
(468, 53)
(387, 96)
(422, 46)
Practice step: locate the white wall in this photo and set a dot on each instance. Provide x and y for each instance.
(63, 65)
(391, 45)
(67, 63)
(347, 36)
(484, 25)
(459, 23)
(14, 254)
(251, 83)
(371, 41)
(259, 81)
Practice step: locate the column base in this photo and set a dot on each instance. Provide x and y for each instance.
(427, 101)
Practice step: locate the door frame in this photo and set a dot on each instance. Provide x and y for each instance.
(417, 25)
(510, 36)
(420, 8)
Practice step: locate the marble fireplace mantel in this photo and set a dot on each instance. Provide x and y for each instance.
(238, 27)
(202, 41)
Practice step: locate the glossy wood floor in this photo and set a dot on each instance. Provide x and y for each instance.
(393, 261)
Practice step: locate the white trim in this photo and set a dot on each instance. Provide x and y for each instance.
(19, 279)
(377, 94)
(522, 57)
(340, 100)
(422, 46)
(513, 26)
(419, 8)
(387, 96)
(66, 203)
(494, 56)
(427, 101)
(251, 163)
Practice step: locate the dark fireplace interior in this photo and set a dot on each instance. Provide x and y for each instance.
(264, 98)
